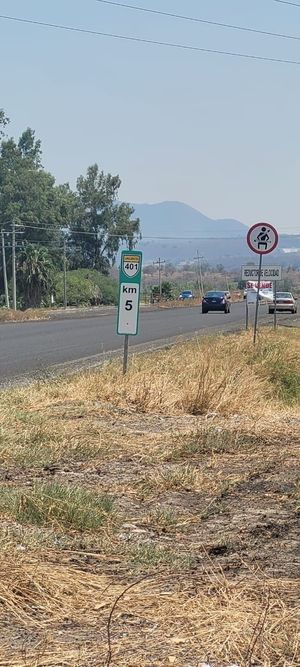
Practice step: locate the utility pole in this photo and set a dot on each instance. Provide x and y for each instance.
(4, 271)
(14, 277)
(65, 274)
(159, 263)
(199, 274)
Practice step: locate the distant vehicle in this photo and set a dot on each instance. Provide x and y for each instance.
(264, 295)
(267, 295)
(285, 302)
(186, 294)
(215, 300)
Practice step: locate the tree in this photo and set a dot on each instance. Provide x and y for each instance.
(86, 287)
(30, 148)
(3, 122)
(29, 194)
(34, 271)
(30, 197)
(101, 223)
(166, 291)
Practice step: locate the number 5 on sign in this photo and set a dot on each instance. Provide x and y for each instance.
(129, 292)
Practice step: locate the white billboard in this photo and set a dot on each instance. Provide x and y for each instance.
(268, 273)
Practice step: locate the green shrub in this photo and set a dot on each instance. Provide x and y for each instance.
(57, 505)
(86, 287)
(287, 381)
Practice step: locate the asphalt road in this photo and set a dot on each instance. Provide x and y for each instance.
(32, 347)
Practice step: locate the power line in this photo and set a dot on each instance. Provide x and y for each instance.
(194, 19)
(147, 238)
(47, 228)
(285, 2)
(140, 40)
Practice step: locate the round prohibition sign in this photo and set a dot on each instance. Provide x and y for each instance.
(262, 238)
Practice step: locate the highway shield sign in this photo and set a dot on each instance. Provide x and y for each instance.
(131, 264)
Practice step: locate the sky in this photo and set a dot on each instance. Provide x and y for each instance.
(219, 133)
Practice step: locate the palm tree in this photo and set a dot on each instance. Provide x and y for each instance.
(34, 274)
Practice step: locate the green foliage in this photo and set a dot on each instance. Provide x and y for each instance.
(281, 367)
(34, 272)
(28, 193)
(97, 221)
(106, 221)
(287, 380)
(3, 122)
(167, 290)
(150, 555)
(56, 505)
(40, 209)
(86, 287)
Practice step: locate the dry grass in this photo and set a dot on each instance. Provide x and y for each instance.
(164, 616)
(196, 378)
(23, 315)
(204, 525)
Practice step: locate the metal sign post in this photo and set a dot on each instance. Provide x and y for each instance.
(125, 354)
(262, 239)
(275, 311)
(129, 298)
(257, 301)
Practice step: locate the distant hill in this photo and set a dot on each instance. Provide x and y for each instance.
(175, 219)
(186, 230)
(231, 252)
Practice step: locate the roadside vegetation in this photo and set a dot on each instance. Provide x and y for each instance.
(80, 230)
(154, 519)
(86, 288)
(23, 315)
(57, 227)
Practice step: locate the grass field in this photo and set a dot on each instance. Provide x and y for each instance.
(153, 520)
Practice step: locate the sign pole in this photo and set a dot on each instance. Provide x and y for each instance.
(275, 312)
(125, 354)
(257, 300)
(247, 314)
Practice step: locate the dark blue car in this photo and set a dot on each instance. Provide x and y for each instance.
(216, 300)
(186, 294)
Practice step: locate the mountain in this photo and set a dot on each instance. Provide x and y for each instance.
(175, 232)
(175, 219)
(231, 252)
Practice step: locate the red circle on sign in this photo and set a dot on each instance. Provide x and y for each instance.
(270, 228)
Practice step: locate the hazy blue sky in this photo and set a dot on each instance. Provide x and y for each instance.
(219, 133)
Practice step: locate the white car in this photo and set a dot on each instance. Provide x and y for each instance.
(267, 295)
(285, 302)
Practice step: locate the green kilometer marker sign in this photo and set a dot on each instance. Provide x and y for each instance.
(129, 292)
